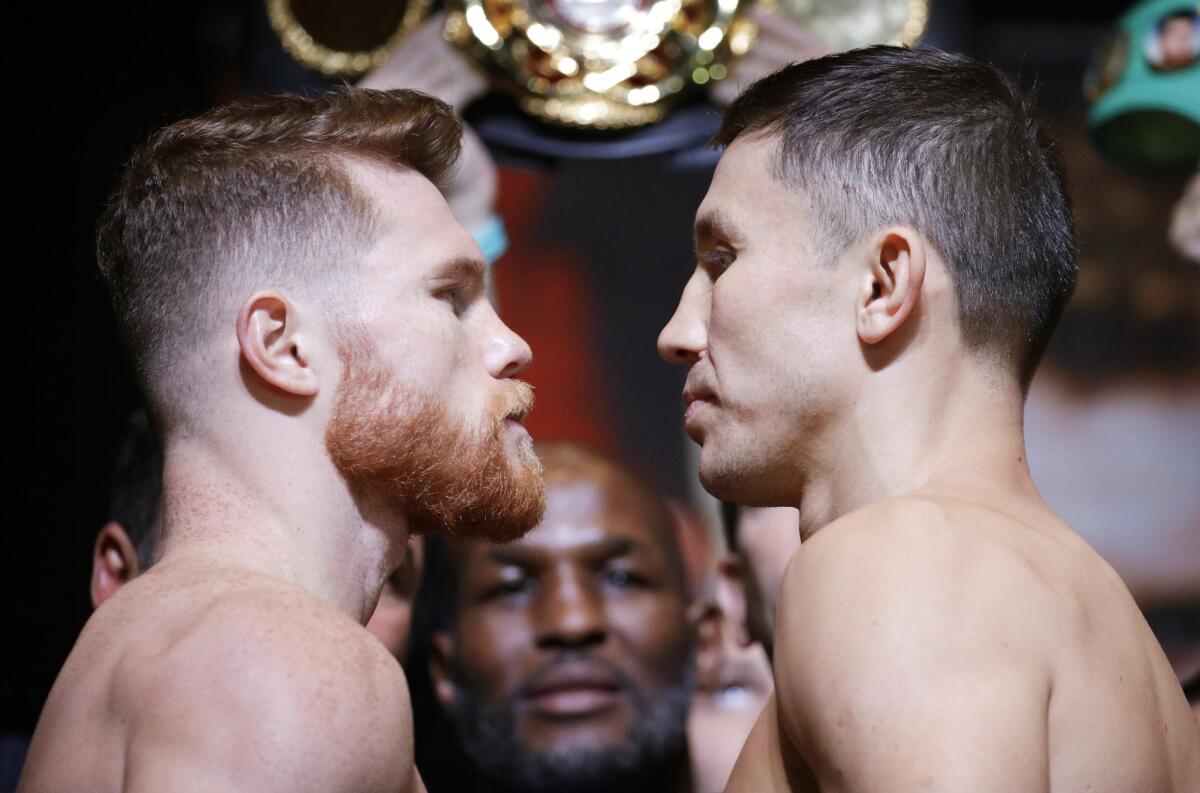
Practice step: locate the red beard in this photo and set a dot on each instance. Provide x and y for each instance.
(393, 442)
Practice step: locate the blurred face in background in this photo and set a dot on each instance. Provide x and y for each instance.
(568, 666)
(730, 695)
(767, 538)
(1178, 41)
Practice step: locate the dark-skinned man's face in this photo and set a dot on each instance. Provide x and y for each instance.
(569, 662)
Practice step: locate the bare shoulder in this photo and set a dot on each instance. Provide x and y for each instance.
(897, 627)
(267, 688)
(945, 557)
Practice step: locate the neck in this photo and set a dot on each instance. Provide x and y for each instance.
(957, 431)
(283, 512)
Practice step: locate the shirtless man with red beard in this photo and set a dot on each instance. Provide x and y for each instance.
(309, 326)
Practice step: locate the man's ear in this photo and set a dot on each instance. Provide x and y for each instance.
(441, 655)
(275, 342)
(730, 591)
(892, 284)
(114, 562)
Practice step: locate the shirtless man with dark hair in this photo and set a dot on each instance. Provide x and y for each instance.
(883, 253)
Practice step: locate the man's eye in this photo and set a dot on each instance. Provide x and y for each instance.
(507, 588)
(620, 578)
(716, 262)
(454, 297)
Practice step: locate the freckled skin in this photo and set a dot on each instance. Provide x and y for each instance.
(239, 662)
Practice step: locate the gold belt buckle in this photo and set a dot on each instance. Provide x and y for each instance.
(345, 39)
(600, 64)
(847, 24)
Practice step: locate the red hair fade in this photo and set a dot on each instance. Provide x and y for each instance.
(250, 194)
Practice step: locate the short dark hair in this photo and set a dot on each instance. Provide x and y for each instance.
(254, 193)
(135, 494)
(944, 144)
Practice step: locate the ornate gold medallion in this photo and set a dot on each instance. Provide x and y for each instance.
(846, 24)
(345, 39)
(601, 64)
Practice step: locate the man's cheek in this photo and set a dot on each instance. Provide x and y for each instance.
(490, 656)
(653, 638)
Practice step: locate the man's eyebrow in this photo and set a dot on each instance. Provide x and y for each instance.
(711, 227)
(462, 268)
(615, 546)
(515, 555)
(605, 548)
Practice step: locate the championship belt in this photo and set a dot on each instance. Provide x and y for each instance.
(600, 64)
(1144, 86)
(344, 39)
(846, 24)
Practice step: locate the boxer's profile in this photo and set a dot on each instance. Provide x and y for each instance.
(883, 253)
(326, 375)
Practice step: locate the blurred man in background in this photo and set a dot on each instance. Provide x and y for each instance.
(564, 659)
(761, 542)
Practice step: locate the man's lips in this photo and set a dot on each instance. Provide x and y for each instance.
(514, 425)
(695, 398)
(573, 691)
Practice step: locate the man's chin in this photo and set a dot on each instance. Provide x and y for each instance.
(720, 486)
(730, 482)
(596, 733)
(744, 487)
(509, 527)
(717, 476)
(512, 507)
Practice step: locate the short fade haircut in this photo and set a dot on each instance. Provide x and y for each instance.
(943, 144)
(249, 195)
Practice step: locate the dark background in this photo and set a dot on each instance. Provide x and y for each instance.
(88, 83)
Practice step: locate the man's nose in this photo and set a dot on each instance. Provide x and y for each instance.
(685, 336)
(507, 354)
(570, 613)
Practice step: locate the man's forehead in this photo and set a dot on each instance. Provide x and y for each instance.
(407, 203)
(581, 518)
(748, 160)
(392, 184)
(747, 196)
(586, 513)
(745, 170)
(414, 215)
